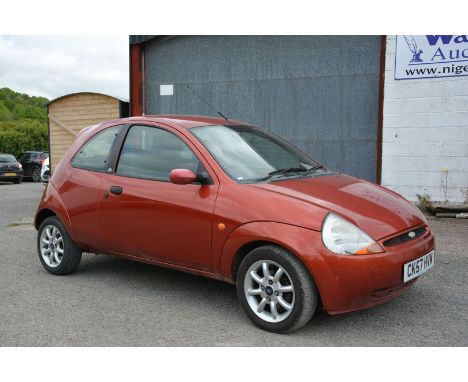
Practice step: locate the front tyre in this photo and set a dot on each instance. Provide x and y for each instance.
(276, 290)
(58, 253)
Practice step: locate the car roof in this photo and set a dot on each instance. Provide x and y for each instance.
(186, 121)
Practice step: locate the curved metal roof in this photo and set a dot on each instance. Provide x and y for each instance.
(77, 93)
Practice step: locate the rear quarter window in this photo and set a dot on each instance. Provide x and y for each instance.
(94, 154)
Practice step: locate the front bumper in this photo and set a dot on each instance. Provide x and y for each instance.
(348, 283)
(45, 176)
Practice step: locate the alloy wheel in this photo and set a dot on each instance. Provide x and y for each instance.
(36, 175)
(269, 291)
(52, 246)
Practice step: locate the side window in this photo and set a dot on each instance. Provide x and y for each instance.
(94, 154)
(24, 157)
(151, 153)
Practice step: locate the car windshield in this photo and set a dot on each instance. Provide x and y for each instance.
(248, 154)
(7, 158)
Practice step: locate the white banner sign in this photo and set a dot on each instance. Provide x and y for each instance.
(431, 56)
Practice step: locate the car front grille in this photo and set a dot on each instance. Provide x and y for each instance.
(407, 236)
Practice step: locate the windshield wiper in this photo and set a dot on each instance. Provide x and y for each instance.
(292, 169)
(285, 170)
(316, 167)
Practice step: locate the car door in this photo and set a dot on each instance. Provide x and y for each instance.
(143, 214)
(26, 162)
(80, 189)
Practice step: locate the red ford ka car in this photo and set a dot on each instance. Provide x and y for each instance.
(227, 200)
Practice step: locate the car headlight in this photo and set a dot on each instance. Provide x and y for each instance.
(20, 165)
(342, 237)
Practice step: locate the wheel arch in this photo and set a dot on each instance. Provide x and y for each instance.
(42, 215)
(243, 251)
(299, 241)
(249, 246)
(51, 204)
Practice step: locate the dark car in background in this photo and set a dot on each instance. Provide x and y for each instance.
(10, 169)
(32, 163)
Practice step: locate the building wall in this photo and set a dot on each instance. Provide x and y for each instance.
(73, 113)
(318, 92)
(425, 130)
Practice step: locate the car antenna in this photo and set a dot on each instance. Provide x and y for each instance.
(210, 105)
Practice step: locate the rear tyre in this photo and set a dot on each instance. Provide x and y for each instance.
(276, 290)
(36, 174)
(17, 181)
(58, 253)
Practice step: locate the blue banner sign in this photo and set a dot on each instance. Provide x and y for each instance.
(431, 56)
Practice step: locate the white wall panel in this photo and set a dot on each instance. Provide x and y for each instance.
(425, 130)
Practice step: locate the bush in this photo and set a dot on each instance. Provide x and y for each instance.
(22, 135)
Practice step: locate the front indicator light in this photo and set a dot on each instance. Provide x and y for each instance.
(342, 237)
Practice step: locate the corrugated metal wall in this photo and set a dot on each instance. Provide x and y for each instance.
(319, 92)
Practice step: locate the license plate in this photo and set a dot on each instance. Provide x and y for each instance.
(10, 174)
(417, 267)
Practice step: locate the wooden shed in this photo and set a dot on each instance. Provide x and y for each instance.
(69, 114)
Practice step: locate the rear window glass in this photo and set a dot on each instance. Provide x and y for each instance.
(7, 158)
(94, 154)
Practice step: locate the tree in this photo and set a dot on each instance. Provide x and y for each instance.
(5, 113)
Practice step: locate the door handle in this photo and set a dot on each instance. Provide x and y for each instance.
(116, 190)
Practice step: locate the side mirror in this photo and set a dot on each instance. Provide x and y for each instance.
(182, 176)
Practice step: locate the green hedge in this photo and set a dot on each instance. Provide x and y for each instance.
(23, 134)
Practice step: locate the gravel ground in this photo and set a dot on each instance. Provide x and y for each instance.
(115, 302)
